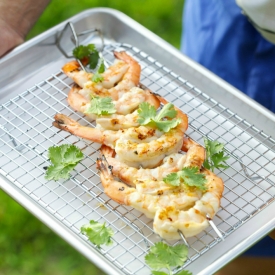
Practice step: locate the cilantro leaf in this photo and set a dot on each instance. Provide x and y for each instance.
(89, 51)
(163, 256)
(97, 77)
(146, 113)
(84, 51)
(101, 106)
(101, 68)
(167, 111)
(93, 60)
(148, 116)
(215, 155)
(159, 273)
(189, 176)
(184, 272)
(98, 233)
(64, 158)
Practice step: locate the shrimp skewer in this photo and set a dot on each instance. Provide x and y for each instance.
(118, 79)
(126, 104)
(145, 203)
(169, 220)
(119, 83)
(131, 175)
(194, 157)
(180, 208)
(136, 146)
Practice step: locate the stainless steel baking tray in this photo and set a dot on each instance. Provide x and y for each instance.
(34, 89)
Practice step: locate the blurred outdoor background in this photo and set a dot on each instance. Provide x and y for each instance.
(27, 246)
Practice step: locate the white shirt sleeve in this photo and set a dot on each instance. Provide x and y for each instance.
(261, 14)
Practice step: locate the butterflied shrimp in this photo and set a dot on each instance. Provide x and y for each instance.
(117, 122)
(151, 180)
(152, 152)
(111, 76)
(131, 175)
(180, 208)
(145, 203)
(136, 146)
(127, 103)
(116, 80)
(191, 221)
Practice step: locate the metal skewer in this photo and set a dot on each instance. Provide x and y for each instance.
(75, 40)
(183, 238)
(214, 227)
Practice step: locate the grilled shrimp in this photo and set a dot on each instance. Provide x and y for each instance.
(126, 104)
(131, 175)
(117, 122)
(144, 202)
(177, 208)
(110, 77)
(118, 79)
(136, 146)
(195, 156)
(190, 221)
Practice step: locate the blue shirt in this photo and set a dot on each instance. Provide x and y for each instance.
(218, 36)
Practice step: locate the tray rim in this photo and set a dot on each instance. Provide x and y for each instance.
(218, 262)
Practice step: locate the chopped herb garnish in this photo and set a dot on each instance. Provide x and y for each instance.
(189, 176)
(101, 106)
(97, 77)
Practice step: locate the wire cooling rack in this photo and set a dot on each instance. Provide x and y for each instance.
(26, 133)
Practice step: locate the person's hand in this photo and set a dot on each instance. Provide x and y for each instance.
(16, 19)
(10, 38)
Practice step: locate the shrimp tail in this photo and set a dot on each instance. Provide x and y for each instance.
(117, 191)
(62, 122)
(74, 65)
(67, 124)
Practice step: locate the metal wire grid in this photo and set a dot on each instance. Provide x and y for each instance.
(26, 134)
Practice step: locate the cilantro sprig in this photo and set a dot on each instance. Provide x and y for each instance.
(163, 256)
(64, 158)
(189, 176)
(215, 155)
(98, 233)
(164, 120)
(101, 106)
(90, 52)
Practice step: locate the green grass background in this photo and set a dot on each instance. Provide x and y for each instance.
(27, 246)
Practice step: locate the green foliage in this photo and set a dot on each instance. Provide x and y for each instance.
(164, 19)
(29, 247)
